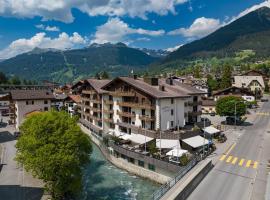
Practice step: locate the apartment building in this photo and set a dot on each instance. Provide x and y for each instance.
(25, 102)
(131, 105)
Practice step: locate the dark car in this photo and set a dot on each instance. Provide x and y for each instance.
(233, 120)
(264, 100)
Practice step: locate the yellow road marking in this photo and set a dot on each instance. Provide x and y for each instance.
(229, 159)
(248, 163)
(241, 162)
(255, 165)
(234, 160)
(222, 157)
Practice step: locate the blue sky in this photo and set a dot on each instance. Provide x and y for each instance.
(155, 24)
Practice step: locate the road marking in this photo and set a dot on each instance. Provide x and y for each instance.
(255, 165)
(241, 162)
(222, 157)
(229, 159)
(248, 163)
(230, 149)
(234, 160)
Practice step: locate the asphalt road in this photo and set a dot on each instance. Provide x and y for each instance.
(241, 171)
(15, 183)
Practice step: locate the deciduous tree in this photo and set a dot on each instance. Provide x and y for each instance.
(227, 106)
(53, 148)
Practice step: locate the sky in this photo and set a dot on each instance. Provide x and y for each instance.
(153, 24)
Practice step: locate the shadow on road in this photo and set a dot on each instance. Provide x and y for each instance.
(6, 136)
(16, 192)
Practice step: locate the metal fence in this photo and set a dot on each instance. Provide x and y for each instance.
(167, 186)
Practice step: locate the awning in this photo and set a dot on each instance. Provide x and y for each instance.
(211, 130)
(139, 139)
(167, 144)
(176, 152)
(125, 137)
(196, 141)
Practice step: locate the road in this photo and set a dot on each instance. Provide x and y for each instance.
(241, 172)
(15, 183)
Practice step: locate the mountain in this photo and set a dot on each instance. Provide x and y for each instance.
(159, 53)
(250, 32)
(65, 66)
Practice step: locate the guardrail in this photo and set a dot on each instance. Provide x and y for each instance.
(166, 187)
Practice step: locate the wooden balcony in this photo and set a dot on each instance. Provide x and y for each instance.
(126, 114)
(108, 120)
(108, 102)
(147, 118)
(137, 105)
(195, 103)
(85, 99)
(96, 109)
(108, 111)
(89, 92)
(123, 93)
(197, 113)
(95, 118)
(98, 101)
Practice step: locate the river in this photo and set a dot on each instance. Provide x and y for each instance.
(103, 181)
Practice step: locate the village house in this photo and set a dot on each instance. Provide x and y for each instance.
(253, 83)
(25, 102)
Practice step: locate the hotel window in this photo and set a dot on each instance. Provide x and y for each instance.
(172, 101)
(46, 109)
(151, 167)
(32, 102)
(172, 112)
(140, 163)
(45, 102)
(171, 123)
(26, 102)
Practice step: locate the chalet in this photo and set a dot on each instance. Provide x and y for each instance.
(25, 102)
(253, 83)
(232, 91)
(131, 105)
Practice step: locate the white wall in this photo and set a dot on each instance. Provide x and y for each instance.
(22, 109)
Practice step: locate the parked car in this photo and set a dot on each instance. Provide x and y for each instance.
(264, 100)
(234, 120)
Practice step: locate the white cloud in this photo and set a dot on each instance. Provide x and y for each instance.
(63, 41)
(61, 9)
(143, 39)
(199, 28)
(48, 28)
(115, 30)
(171, 49)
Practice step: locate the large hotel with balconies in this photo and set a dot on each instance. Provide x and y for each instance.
(139, 106)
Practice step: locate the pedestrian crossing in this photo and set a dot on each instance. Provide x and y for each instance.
(263, 113)
(233, 160)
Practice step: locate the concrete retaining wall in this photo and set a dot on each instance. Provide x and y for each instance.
(189, 182)
(123, 164)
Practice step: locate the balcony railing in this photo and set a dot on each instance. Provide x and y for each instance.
(123, 93)
(137, 105)
(96, 101)
(147, 118)
(109, 120)
(95, 118)
(89, 92)
(197, 113)
(195, 103)
(108, 101)
(108, 111)
(126, 114)
(96, 109)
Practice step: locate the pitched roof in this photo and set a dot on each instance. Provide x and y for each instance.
(98, 84)
(171, 91)
(232, 89)
(244, 81)
(75, 98)
(31, 94)
(208, 102)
